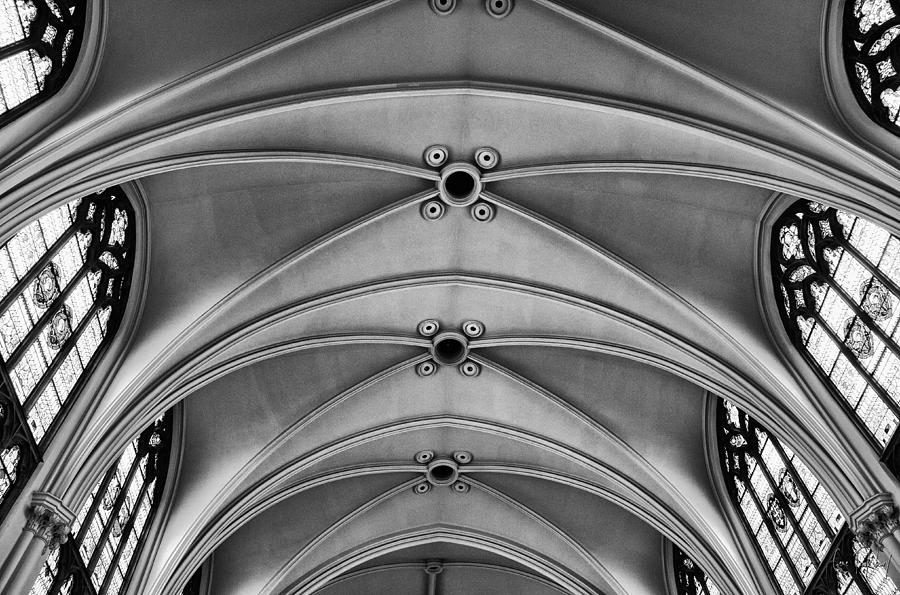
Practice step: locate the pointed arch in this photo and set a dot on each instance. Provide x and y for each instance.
(64, 281)
(111, 525)
(690, 579)
(794, 523)
(39, 42)
(837, 285)
(870, 32)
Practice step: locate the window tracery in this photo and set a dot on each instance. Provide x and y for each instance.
(39, 40)
(797, 528)
(110, 527)
(64, 280)
(871, 29)
(689, 577)
(837, 284)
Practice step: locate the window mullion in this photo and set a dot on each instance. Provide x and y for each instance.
(21, 45)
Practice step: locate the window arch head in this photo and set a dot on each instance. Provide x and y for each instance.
(796, 527)
(64, 280)
(690, 579)
(39, 41)
(870, 32)
(111, 525)
(837, 285)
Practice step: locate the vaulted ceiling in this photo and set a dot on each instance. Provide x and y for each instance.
(276, 153)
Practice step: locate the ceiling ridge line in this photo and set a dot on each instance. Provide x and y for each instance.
(660, 167)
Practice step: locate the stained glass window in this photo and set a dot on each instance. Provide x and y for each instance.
(871, 29)
(799, 531)
(110, 526)
(689, 577)
(39, 40)
(837, 282)
(64, 279)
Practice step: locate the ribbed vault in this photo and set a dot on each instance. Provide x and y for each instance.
(276, 155)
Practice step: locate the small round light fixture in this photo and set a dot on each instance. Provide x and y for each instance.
(449, 348)
(498, 8)
(442, 472)
(426, 369)
(433, 210)
(473, 329)
(436, 155)
(481, 211)
(487, 158)
(429, 327)
(442, 7)
(422, 487)
(460, 184)
(470, 369)
(460, 487)
(424, 456)
(463, 457)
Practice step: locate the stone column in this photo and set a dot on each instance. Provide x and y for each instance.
(47, 526)
(875, 523)
(433, 568)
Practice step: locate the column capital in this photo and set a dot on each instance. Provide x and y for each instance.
(875, 519)
(49, 520)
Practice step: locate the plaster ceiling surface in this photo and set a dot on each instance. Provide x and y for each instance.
(278, 153)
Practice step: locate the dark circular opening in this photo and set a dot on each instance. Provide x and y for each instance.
(449, 350)
(460, 184)
(442, 472)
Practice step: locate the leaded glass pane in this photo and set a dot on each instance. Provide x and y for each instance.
(54, 318)
(38, 41)
(797, 528)
(838, 288)
(871, 30)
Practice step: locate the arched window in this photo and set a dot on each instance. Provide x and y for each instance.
(39, 41)
(837, 283)
(871, 28)
(109, 530)
(797, 528)
(689, 577)
(64, 279)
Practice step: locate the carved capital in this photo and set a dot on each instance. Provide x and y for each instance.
(875, 519)
(49, 520)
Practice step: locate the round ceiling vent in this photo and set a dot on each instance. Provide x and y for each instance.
(460, 184)
(442, 472)
(449, 348)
